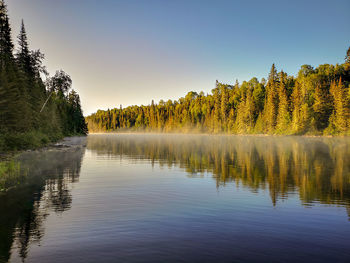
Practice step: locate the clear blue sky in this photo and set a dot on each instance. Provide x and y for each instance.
(130, 52)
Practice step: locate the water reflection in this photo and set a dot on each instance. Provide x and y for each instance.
(318, 169)
(126, 211)
(23, 209)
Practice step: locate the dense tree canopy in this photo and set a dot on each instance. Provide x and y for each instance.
(316, 101)
(23, 93)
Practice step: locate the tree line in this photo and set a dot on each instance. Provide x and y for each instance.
(316, 101)
(33, 111)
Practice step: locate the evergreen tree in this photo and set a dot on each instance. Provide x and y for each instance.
(259, 96)
(283, 117)
(296, 113)
(224, 105)
(271, 106)
(217, 109)
(78, 124)
(321, 107)
(249, 111)
(30, 91)
(347, 59)
(340, 117)
(10, 89)
(9, 96)
(241, 117)
(6, 44)
(23, 54)
(346, 76)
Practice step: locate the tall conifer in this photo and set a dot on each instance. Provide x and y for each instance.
(321, 107)
(6, 44)
(283, 117)
(339, 119)
(271, 105)
(23, 54)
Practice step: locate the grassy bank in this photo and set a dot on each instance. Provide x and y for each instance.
(13, 142)
(10, 175)
(22, 141)
(12, 172)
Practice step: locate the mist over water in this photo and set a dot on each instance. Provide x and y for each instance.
(45, 187)
(161, 198)
(318, 169)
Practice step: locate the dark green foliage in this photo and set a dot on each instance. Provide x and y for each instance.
(23, 55)
(314, 102)
(6, 44)
(76, 119)
(24, 122)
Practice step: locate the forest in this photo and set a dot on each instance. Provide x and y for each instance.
(315, 102)
(34, 108)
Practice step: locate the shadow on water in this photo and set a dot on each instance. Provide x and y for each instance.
(318, 169)
(32, 186)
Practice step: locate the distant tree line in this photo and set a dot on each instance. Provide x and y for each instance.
(24, 121)
(316, 101)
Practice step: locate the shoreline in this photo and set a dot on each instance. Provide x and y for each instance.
(65, 142)
(70, 141)
(224, 134)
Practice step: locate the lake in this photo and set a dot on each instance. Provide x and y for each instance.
(180, 198)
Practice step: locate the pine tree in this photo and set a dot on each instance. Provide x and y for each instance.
(23, 54)
(259, 97)
(78, 124)
(321, 107)
(271, 104)
(31, 93)
(339, 119)
(296, 102)
(224, 106)
(11, 102)
(347, 59)
(249, 111)
(152, 112)
(6, 44)
(347, 67)
(283, 117)
(217, 107)
(240, 125)
(9, 95)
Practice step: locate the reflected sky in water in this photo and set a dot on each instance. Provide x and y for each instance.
(161, 198)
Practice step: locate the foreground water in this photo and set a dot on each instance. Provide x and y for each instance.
(173, 198)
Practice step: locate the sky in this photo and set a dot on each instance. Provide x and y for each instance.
(128, 52)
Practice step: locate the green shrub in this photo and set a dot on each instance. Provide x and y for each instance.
(28, 140)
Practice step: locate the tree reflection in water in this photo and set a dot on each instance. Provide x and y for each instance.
(317, 168)
(47, 188)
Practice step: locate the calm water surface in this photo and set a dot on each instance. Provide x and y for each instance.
(181, 198)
